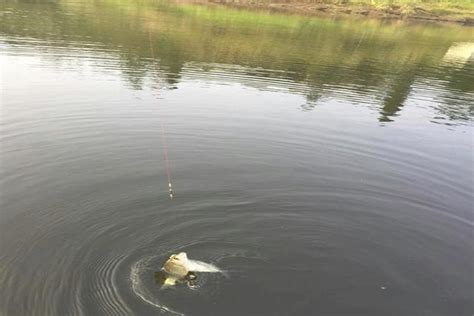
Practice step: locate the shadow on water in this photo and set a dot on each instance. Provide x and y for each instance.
(369, 60)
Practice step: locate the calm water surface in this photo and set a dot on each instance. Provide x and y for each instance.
(326, 165)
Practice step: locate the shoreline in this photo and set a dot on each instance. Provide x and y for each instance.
(390, 12)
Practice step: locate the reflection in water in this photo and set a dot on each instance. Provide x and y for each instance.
(397, 94)
(303, 149)
(347, 60)
(460, 53)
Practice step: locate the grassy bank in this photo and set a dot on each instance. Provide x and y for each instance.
(461, 11)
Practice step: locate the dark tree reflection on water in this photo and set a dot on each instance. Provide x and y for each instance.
(375, 60)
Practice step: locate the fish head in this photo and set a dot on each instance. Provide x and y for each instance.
(182, 256)
(177, 264)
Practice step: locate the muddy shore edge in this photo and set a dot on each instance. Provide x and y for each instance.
(398, 12)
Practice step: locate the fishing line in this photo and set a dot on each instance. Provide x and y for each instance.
(164, 144)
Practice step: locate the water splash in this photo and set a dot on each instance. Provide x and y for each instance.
(199, 266)
(142, 291)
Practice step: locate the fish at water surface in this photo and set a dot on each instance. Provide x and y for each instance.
(180, 269)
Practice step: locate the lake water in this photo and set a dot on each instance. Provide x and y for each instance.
(326, 165)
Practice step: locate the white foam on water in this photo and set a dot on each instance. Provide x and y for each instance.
(140, 290)
(149, 297)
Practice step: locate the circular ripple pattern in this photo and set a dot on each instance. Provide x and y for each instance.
(315, 176)
(180, 298)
